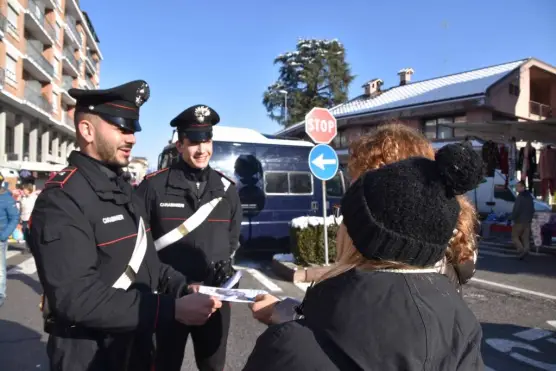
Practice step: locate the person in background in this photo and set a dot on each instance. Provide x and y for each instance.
(522, 216)
(383, 305)
(27, 203)
(9, 218)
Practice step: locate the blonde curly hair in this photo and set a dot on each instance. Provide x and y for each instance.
(395, 142)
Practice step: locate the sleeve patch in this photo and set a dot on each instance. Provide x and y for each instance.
(60, 178)
(148, 176)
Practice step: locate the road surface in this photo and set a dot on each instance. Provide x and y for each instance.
(512, 301)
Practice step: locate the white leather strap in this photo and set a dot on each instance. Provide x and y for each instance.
(128, 276)
(190, 224)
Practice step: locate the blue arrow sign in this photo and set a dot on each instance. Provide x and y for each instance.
(323, 162)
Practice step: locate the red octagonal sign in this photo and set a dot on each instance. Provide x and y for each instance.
(320, 125)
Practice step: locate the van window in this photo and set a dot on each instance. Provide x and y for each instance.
(300, 183)
(335, 186)
(286, 182)
(276, 182)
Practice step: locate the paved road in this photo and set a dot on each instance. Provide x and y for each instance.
(519, 327)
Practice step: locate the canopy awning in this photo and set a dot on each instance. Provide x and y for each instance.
(529, 131)
(33, 166)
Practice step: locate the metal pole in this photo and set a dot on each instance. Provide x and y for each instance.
(324, 222)
(286, 109)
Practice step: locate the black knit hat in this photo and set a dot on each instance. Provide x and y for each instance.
(406, 211)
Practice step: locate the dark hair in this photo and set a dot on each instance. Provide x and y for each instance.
(521, 182)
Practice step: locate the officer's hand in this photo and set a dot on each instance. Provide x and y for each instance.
(195, 309)
(263, 307)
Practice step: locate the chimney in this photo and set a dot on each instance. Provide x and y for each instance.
(405, 75)
(372, 87)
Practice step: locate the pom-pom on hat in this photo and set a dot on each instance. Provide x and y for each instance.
(406, 211)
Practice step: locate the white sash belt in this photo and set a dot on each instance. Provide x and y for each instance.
(190, 224)
(128, 277)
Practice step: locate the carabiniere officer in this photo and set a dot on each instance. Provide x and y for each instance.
(196, 215)
(95, 258)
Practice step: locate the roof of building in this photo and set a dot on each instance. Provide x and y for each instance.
(439, 89)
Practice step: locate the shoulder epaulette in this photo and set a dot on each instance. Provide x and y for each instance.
(61, 177)
(148, 176)
(225, 176)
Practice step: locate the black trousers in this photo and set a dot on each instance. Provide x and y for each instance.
(209, 343)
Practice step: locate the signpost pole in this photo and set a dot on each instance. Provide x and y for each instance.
(324, 222)
(321, 127)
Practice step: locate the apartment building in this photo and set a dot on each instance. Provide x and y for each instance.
(46, 48)
(448, 107)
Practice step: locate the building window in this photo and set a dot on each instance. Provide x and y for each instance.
(434, 129)
(58, 30)
(55, 102)
(11, 69)
(12, 19)
(514, 89)
(9, 139)
(55, 65)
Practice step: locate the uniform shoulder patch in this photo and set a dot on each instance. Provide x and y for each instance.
(225, 176)
(148, 176)
(61, 177)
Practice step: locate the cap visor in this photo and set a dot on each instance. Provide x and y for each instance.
(131, 125)
(198, 136)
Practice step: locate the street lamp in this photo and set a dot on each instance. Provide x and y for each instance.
(285, 105)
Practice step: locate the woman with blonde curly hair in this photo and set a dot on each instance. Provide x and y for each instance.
(384, 305)
(395, 142)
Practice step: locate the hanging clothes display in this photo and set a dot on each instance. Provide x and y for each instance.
(528, 164)
(547, 170)
(512, 160)
(491, 157)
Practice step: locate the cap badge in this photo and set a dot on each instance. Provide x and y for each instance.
(142, 94)
(201, 113)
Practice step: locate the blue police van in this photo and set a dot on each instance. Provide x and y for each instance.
(274, 183)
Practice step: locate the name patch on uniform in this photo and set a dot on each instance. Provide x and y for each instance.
(171, 204)
(112, 219)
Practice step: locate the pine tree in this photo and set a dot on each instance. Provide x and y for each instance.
(315, 75)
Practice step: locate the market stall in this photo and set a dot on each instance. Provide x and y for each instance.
(513, 151)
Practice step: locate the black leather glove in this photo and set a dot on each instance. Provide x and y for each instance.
(221, 271)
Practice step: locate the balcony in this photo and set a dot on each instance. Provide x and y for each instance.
(89, 84)
(35, 98)
(69, 63)
(90, 63)
(36, 23)
(67, 84)
(539, 111)
(3, 24)
(36, 64)
(71, 30)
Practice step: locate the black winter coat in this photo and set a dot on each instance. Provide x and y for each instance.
(170, 200)
(375, 321)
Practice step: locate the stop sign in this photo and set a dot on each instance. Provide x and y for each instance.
(320, 125)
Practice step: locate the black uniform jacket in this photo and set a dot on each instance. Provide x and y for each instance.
(170, 200)
(375, 321)
(83, 232)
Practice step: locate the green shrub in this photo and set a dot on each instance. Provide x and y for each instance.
(307, 242)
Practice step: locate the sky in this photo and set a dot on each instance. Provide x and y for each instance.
(220, 53)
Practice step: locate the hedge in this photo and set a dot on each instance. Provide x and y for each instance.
(307, 240)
